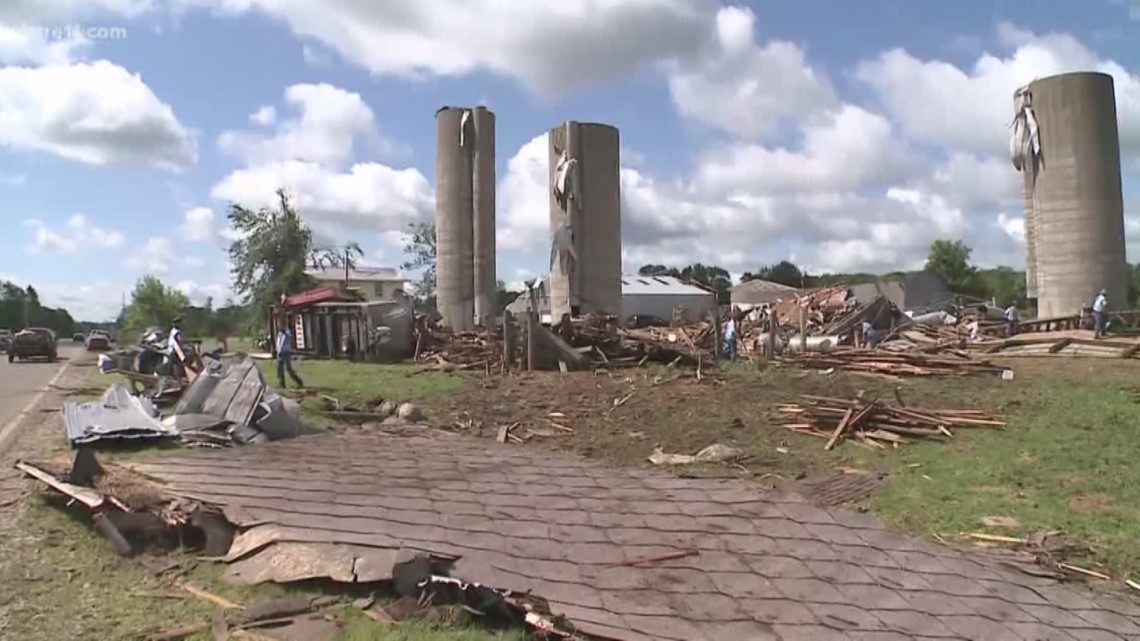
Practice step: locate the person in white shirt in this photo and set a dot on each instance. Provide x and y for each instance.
(730, 336)
(1012, 323)
(1100, 313)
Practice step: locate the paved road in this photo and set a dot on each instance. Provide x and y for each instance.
(21, 382)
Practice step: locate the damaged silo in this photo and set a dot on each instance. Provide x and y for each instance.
(585, 219)
(483, 198)
(465, 216)
(1066, 141)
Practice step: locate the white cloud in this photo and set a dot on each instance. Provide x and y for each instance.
(970, 109)
(844, 150)
(552, 47)
(15, 180)
(365, 196)
(97, 113)
(264, 116)
(156, 257)
(744, 88)
(200, 224)
(47, 241)
(78, 233)
(37, 11)
(24, 45)
(329, 122)
(311, 157)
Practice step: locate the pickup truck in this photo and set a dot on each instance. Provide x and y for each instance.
(34, 342)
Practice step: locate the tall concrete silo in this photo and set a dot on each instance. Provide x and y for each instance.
(1076, 225)
(483, 198)
(454, 218)
(585, 204)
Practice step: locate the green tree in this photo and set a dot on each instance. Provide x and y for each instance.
(712, 277)
(783, 272)
(658, 270)
(504, 296)
(153, 303)
(273, 249)
(1005, 285)
(419, 246)
(951, 260)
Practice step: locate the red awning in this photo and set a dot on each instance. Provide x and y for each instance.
(313, 296)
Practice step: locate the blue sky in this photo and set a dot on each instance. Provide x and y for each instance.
(841, 135)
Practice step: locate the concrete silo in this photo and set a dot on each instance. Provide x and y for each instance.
(454, 218)
(585, 219)
(483, 199)
(1074, 208)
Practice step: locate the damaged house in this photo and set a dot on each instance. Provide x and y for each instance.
(332, 322)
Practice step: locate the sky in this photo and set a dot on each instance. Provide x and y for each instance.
(844, 136)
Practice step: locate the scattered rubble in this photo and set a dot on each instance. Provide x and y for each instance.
(877, 423)
(225, 404)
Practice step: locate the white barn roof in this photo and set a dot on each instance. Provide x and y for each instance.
(651, 285)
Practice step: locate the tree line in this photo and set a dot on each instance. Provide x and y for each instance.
(274, 248)
(20, 307)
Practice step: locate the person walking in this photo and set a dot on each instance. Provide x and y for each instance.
(285, 358)
(730, 337)
(869, 337)
(1100, 314)
(1012, 322)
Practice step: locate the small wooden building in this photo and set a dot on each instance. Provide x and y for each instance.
(330, 322)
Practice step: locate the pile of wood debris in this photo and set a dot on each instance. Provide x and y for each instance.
(896, 363)
(877, 423)
(590, 341)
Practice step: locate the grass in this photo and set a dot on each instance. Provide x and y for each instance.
(68, 583)
(361, 384)
(1066, 461)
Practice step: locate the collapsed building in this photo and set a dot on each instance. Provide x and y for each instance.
(1067, 147)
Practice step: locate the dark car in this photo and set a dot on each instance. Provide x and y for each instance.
(78, 337)
(34, 342)
(5, 339)
(98, 341)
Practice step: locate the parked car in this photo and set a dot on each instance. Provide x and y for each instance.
(98, 341)
(78, 337)
(34, 342)
(5, 339)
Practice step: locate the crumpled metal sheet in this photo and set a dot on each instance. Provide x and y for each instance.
(118, 415)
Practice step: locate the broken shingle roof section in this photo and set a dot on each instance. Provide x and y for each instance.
(621, 554)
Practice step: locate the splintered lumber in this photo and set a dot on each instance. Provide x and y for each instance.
(877, 422)
(912, 363)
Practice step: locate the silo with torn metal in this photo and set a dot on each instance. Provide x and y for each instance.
(1074, 205)
(483, 209)
(454, 217)
(585, 219)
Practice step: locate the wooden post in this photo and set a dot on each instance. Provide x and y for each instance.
(803, 330)
(508, 341)
(531, 328)
(531, 340)
(716, 342)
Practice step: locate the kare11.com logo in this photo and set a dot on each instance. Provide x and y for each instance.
(80, 32)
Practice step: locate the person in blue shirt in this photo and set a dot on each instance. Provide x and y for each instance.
(285, 358)
(1100, 313)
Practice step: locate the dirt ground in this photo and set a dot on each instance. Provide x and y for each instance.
(623, 416)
